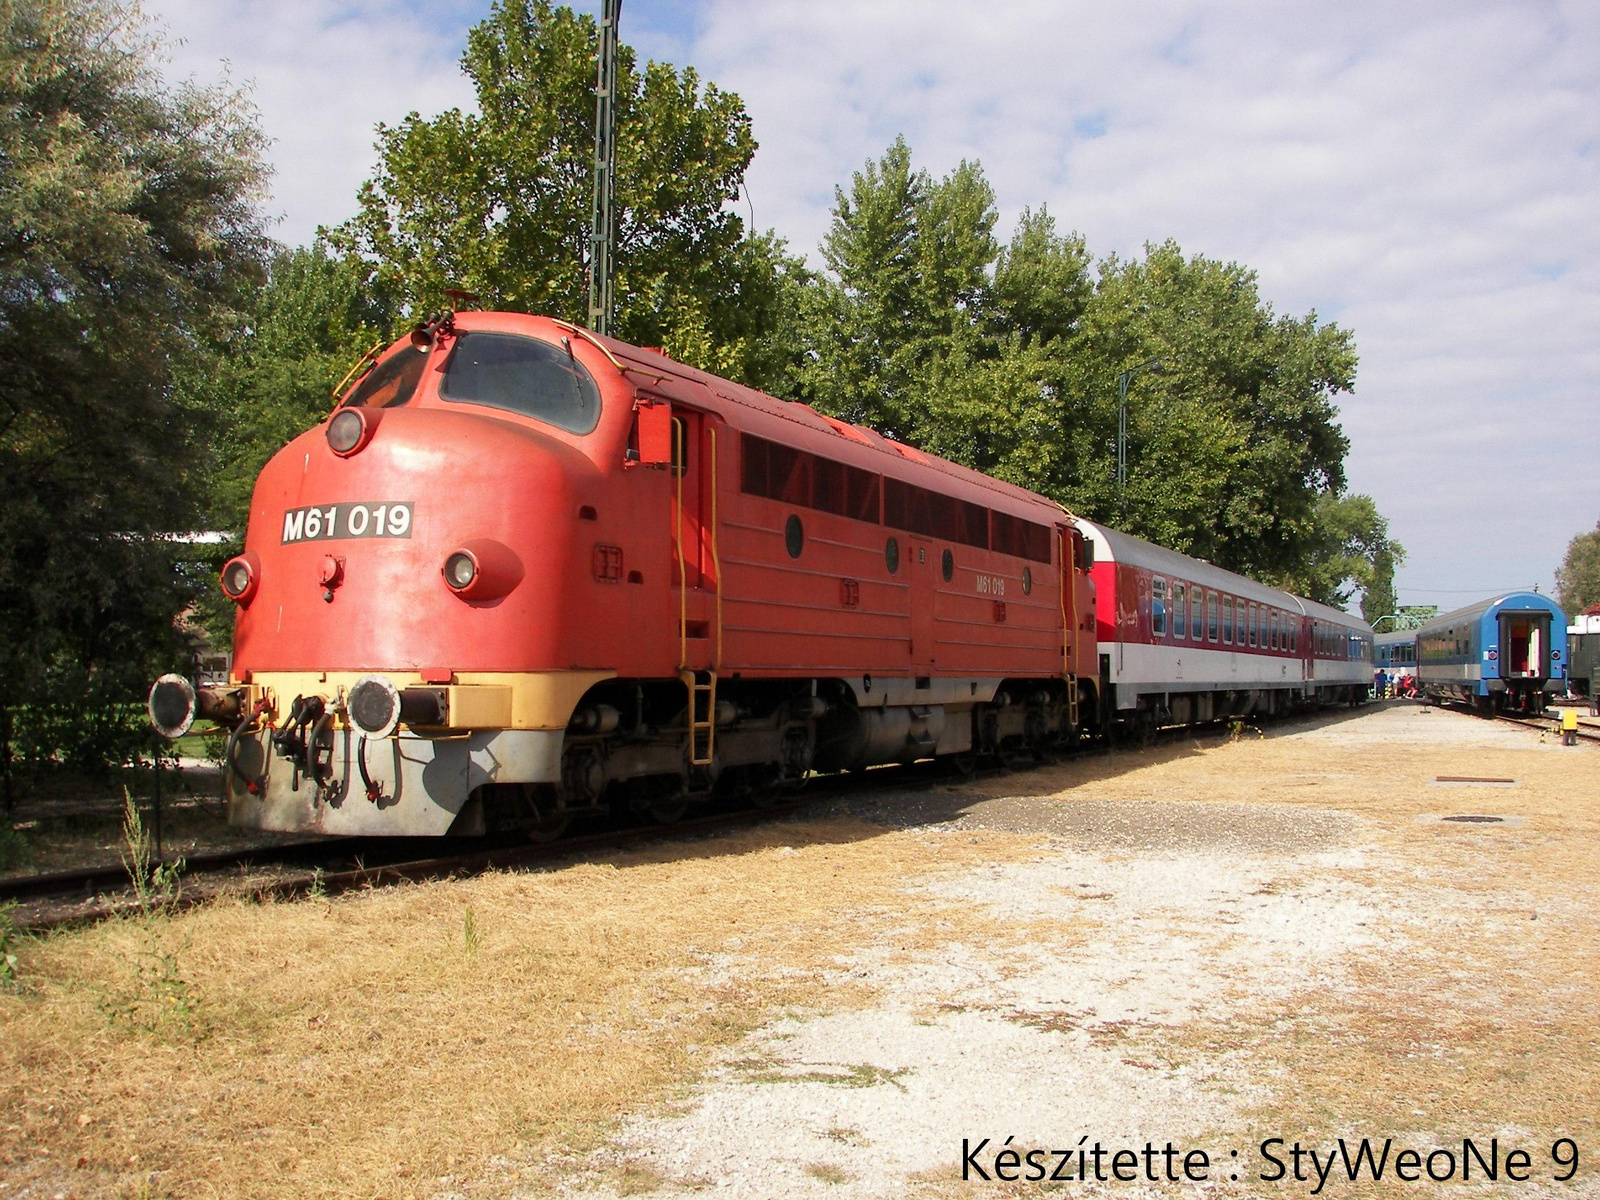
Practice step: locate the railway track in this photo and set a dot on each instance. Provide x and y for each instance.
(1587, 730)
(1586, 733)
(327, 866)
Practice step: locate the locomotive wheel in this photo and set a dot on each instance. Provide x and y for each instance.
(549, 822)
(670, 809)
(541, 834)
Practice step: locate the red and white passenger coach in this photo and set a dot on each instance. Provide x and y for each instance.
(1183, 641)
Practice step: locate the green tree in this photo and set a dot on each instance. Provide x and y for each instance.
(498, 201)
(1007, 359)
(909, 287)
(130, 231)
(301, 333)
(1233, 433)
(1350, 551)
(1578, 576)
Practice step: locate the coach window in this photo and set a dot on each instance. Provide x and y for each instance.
(1158, 606)
(521, 375)
(1275, 643)
(1254, 615)
(1211, 617)
(1180, 610)
(1227, 620)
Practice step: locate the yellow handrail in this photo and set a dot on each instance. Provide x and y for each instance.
(338, 388)
(716, 559)
(679, 468)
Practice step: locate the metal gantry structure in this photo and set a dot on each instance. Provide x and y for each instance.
(602, 224)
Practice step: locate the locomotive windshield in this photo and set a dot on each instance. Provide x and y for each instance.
(522, 375)
(391, 383)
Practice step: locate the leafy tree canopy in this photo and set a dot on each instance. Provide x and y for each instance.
(1008, 359)
(498, 202)
(130, 231)
(1578, 576)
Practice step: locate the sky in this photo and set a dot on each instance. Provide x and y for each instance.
(1427, 175)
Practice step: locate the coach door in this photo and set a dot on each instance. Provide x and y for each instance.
(694, 484)
(1524, 637)
(921, 564)
(1308, 646)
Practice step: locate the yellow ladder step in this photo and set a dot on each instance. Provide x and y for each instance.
(702, 687)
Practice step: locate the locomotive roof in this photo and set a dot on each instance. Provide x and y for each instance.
(801, 426)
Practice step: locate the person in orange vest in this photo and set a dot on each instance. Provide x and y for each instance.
(1569, 727)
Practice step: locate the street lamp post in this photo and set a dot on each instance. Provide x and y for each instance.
(1122, 420)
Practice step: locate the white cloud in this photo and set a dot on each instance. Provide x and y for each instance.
(323, 76)
(1428, 175)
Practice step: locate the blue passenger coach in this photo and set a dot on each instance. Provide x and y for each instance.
(1504, 653)
(1395, 653)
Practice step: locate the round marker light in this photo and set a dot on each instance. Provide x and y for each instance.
(374, 705)
(460, 570)
(239, 578)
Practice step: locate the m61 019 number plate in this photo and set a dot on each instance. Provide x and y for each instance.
(321, 523)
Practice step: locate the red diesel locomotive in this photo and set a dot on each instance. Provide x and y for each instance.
(525, 573)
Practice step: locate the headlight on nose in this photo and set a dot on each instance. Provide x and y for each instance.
(350, 429)
(482, 569)
(460, 570)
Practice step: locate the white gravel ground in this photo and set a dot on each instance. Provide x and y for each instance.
(1151, 915)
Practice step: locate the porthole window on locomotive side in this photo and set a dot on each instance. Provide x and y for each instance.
(891, 555)
(947, 566)
(521, 375)
(794, 536)
(1027, 581)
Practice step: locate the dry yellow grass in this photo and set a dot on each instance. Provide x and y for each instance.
(374, 1044)
(490, 1030)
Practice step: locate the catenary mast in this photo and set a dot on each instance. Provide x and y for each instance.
(601, 225)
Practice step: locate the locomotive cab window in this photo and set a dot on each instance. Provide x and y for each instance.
(522, 375)
(389, 384)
